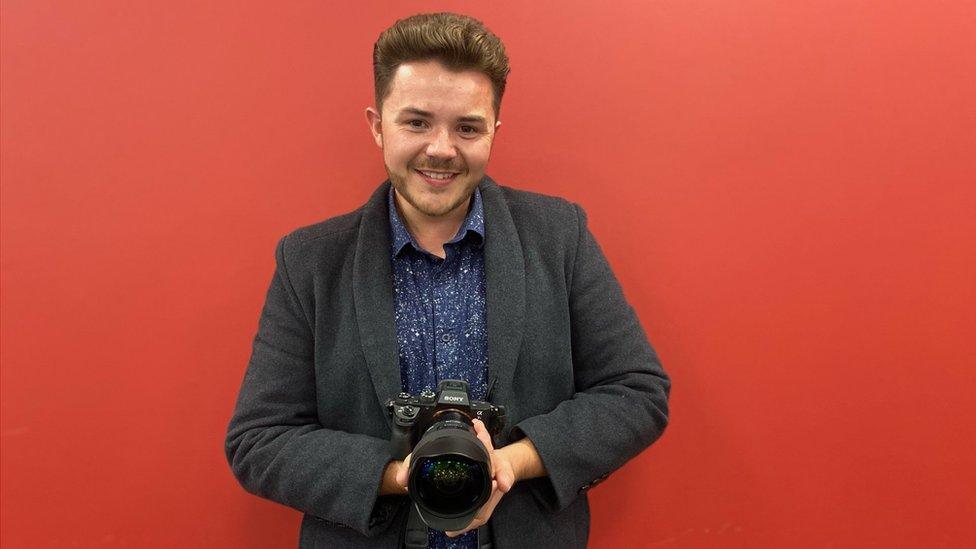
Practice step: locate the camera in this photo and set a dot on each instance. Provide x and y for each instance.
(450, 470)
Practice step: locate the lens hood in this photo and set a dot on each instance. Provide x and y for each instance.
(450, 476)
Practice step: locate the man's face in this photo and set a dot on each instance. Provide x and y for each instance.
(436, 131)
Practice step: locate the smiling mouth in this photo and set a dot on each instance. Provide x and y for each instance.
(437, 176)
(437, 179)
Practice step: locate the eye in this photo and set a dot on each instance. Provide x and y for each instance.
(468, 129)
(416, 123)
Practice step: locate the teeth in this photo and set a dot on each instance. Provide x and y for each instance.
(437, 175)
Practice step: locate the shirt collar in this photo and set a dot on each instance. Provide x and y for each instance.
(474, 223)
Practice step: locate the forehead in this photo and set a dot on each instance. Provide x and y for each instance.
(429, 86)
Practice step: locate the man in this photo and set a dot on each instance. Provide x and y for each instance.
(443, 274)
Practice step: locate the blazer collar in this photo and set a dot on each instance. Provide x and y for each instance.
(373, 292)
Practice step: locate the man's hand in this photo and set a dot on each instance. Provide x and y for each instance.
(503, 478)
(391, 485)
(515, 462)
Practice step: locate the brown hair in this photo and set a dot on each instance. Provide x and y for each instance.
(458, 41)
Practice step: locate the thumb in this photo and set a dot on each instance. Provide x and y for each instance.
(401, 476)
(482, 433)
(505, 475)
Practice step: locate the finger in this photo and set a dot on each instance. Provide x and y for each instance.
(401, 476)
(488, 508)
(485, 438)
(475, 523)
(483, 514)
(482, 433)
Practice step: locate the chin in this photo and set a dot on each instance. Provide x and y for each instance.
(439, 208)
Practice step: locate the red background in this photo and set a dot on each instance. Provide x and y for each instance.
(785, 189)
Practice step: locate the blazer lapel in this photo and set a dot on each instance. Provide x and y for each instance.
(505, 278)
(373, 295)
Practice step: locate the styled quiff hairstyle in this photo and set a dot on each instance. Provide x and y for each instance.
(457, 41)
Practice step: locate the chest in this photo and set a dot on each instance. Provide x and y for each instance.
(440, 319)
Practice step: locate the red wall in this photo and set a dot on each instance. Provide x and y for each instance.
(785, 189)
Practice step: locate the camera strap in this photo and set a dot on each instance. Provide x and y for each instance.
(484, 538)
(415, 533)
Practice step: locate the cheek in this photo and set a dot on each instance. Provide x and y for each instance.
(397, 155)
(477, 155)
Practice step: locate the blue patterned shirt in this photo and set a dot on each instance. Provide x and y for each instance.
(439, 306)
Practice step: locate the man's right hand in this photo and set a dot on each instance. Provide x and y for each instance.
(395, 470)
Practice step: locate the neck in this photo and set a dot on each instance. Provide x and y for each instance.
(431, 232)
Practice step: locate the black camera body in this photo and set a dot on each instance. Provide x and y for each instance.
(450, 469)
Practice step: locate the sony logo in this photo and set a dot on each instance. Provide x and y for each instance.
(449, 398)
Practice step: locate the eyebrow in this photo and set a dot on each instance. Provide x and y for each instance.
(418, 112)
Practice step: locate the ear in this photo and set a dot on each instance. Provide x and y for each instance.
(375, 125)
(498, 124)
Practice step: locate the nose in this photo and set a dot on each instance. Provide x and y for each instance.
(440, 145)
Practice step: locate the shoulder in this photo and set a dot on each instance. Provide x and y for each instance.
(341, 229)
(535, 212)
(332, 239)
(337, 227)
(533, 203)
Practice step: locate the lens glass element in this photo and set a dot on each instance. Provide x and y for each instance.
(450, 484)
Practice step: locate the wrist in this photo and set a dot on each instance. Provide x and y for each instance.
(525, 460)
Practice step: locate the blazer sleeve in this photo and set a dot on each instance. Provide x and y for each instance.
(275, 444)
(621, 401)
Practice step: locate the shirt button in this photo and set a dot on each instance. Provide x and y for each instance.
(446, 338)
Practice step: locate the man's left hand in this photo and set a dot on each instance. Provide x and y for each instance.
(503, 473)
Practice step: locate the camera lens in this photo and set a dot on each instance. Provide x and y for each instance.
(450, 475)
(449, 483)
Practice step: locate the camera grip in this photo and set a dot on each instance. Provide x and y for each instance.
(400, 445)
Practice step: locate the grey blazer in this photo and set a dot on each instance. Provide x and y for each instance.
(569, 359)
